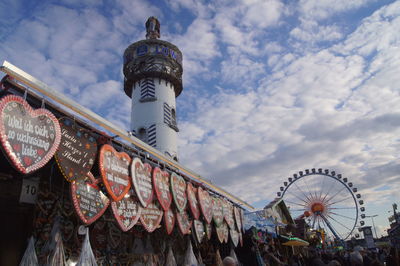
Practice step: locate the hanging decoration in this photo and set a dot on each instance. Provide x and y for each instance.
(57, 256)
(238, 219)
(218, 212)
(30, 258)
(199, 230)
(178, 187)
(161, 187)
(127, 211)
(234, 236)
(192, 199)
(86, 258)
(205, 203)
(184, 222)
(151, 217)
(218, 259)
(28, 137)
(77, 151)
(89, 202)
(169, 220)
(190, 258)
(114, 170)
(170, 260)
(142, 181)
(228, 214)
(223, 233)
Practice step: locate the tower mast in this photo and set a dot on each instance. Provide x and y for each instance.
(153, 79)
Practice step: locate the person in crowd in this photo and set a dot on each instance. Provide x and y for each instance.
(229, 261)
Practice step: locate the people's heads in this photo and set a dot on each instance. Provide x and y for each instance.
(229, 261)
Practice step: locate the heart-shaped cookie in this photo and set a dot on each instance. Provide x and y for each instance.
(228, 214)
(238, 219)
(114, 170)
(218, 213)
(169, 220)
(77, 151)
(199, 230)
(184, 222)
(142, 181)
(29, 137)
(89, 202)
(205, 203)
(222, 232)
(151, 217)
(234, 236)
(192, 199)
(161, 186)
(127, 211)
(178, 188)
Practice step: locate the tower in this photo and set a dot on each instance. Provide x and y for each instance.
(153, 79)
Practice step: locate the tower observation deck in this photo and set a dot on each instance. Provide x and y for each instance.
(153, 79)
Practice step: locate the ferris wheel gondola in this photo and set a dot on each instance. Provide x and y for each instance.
(325, 200)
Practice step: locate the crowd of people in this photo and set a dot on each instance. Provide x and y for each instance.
(314, 257)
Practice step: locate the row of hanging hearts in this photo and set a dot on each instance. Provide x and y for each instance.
(31, 137)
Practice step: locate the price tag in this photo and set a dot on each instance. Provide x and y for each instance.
(29, 190)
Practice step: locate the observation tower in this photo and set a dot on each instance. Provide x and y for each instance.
(153, 79)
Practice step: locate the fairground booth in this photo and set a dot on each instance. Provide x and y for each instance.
(75, 189)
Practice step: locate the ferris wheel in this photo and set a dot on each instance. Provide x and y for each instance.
(325, 200)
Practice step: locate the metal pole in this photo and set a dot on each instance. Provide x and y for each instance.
(372, 218)
(373, 224)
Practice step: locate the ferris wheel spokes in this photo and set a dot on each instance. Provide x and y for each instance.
(341, 215)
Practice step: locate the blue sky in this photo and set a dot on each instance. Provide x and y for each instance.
(271, 87)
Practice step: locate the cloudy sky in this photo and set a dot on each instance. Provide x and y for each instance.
(271, 87)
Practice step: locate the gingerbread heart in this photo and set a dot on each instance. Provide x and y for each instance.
(89, 202)
(218, 213)
(142, 181)
(238, 219)
(161, 186)
(77, 152)
(151, 217)
(199, 230)
(192, 199)
(178, 187)
(222, 232)
(205, 203)
(184, 222)
(228, 214)
(114, 171)
(29, 137)
(127, 211)
(234, 237)
(169, 220)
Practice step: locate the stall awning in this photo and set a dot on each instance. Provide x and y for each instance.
(257, 220)
(295, 242)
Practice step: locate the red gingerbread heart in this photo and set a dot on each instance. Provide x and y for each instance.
(205, 203)
(142, 181)
(161, 187)
(169, 220)
(151, 217)
(89, 202)
(184, 222)
(29, 137)
(114, 170)
(178, 187)
(127, 211)
(192, 199)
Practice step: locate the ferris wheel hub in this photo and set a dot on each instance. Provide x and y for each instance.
(317, 208)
